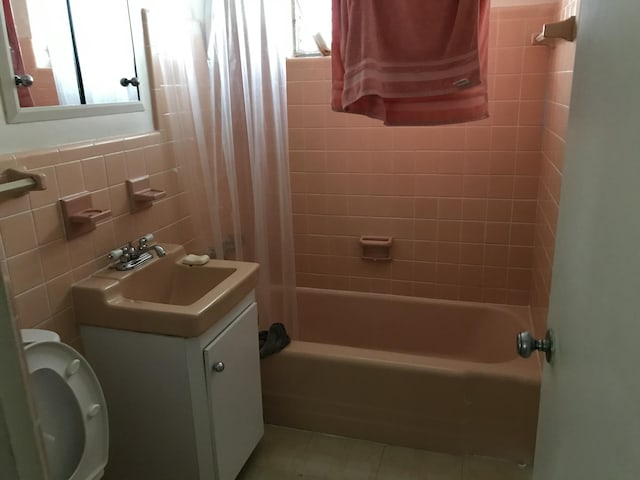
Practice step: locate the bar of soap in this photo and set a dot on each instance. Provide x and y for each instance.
(193, 259)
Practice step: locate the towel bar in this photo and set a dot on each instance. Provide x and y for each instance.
(20, 182)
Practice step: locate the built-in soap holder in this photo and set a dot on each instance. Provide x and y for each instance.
(141, 195)
(79, 214)
(375, 248)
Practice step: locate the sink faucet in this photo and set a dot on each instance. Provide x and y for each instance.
(129, 257)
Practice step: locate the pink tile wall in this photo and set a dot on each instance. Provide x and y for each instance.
(459, 201)
(553, 143)
(40, 265)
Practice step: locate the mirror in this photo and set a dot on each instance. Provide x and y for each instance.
(78, 52)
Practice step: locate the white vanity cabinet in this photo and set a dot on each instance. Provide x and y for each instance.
(181, 408)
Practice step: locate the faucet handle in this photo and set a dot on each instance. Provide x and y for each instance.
(116, 254)
(146, 239)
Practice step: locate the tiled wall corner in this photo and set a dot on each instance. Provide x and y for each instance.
(553, 143)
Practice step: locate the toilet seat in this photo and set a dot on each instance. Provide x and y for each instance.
(71, 411)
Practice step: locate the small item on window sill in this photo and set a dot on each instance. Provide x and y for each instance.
(322, 45)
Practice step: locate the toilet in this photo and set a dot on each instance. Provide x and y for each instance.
(71, 411)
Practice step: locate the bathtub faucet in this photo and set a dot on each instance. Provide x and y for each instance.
(129, 257)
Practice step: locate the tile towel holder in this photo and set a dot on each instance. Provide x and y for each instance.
(376, 249)
(141, 195)
(565, 29)
(79, 215)
(19, 182)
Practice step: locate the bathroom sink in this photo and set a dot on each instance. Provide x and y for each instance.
(164, 296)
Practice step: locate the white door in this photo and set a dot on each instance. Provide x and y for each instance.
(589, 425)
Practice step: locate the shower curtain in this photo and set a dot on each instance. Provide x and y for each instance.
(235, 85)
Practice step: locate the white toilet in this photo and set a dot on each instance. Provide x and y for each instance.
(70, 406)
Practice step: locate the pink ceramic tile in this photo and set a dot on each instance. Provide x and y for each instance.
(475, 186)
(529, 138)
(452, 163)
(477, 163)
(18, 233)
(504, 113)
(402, 270)
(76, 151)
(472, 232)
(499, 210)
(496, 255)
(497, 233)
(426, 207)
(59, 294)
(536, 59)
(25, 271)
(449, 209)
(70, 179)
(452, 138)
(509, 60)
(55, 259)
(48, 224)
(40, 198)
(448, 274)
(524, 211)
(314, 138)
(474, 209)
(94, 173)
(526, 187)
(507, 87)
(428, 162)
(478, 138)
(522, 234)
(534, 86)
(426, 251)
(495, 277)
(448, 252)
(471, 275)
(519, 279)
(472, 254)
(449, 231)
(520, 257)
(501, 186)
(32, 307)
(531, 112)
(417, 138)
(504, 138)
(511, 33)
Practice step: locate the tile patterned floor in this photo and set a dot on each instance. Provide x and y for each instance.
(288, 454)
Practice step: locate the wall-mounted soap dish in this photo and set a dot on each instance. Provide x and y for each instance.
(79, 214)
(376, 249)
(141, 195)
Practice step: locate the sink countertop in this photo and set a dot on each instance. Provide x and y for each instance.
(136, 299)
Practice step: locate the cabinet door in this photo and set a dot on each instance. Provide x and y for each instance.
(232, 364)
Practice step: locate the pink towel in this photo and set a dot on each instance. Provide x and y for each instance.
(411, 62)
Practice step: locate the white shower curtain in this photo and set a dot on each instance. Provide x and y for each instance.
(239, 120)
(246, 59)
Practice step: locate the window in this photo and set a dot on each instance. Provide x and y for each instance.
(310, 17)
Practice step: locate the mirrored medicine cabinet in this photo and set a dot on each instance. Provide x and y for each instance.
(67, 59)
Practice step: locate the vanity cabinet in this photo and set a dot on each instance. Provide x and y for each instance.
(180, 408)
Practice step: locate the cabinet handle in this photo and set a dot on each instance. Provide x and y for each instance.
(125, 82)
(218, 367)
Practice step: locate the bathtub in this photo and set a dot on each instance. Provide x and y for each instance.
(422, 373)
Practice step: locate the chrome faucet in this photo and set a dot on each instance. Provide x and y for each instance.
(129, 257)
